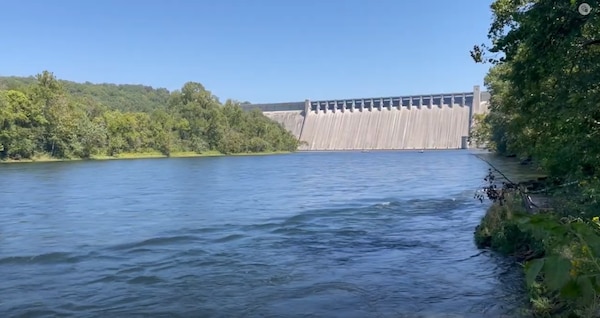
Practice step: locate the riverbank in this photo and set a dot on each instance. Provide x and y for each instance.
(144, 155)
(558, 249)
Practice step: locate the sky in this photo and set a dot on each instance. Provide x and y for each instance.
(260, 51)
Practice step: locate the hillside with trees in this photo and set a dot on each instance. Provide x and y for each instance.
(123, 97)
(42, 115)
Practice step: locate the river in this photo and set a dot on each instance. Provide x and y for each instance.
(377, 234)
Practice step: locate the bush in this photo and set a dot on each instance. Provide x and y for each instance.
(500, 231)
(560, 254)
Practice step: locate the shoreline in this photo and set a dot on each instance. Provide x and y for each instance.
(558, 250)
(144, 155)
(189, 154)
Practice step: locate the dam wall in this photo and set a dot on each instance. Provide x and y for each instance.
(386, 129)
(291, 120)
(289, 115)
(440, 121)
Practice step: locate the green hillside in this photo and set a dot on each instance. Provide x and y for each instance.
(124, 97)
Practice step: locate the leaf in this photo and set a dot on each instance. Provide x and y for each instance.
(587, 291)
(532, 270)
(556, 272)
(594, 245)
(571, 290)
(522, 219)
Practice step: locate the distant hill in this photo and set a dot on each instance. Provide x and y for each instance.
(124, 97)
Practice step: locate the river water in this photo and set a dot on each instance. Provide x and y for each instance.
(378, 234)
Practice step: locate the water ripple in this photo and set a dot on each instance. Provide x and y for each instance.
(49, 258)
(153, 242)
(239, 237)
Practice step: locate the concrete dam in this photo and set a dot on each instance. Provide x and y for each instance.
(435, 121)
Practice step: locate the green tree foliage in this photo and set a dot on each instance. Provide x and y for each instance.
(46, 116)
(545, 84)
(21, 124)
(124, 97)
(545, 87)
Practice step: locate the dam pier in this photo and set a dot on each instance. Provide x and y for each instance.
(434, 121)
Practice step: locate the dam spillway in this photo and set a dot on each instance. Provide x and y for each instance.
(386, 129)
(438, 121)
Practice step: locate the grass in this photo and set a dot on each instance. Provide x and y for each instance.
(142, 155)
(39, 158)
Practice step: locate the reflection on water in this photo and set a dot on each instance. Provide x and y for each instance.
(380, 234)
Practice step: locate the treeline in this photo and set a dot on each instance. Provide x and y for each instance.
(42, 117)
(123, 97)
(545, 105)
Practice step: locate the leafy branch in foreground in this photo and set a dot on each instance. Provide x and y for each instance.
(491, 191)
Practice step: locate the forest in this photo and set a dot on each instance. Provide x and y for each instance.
(43, 116)
(544, 82)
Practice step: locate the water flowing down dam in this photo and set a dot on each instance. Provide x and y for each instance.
(435, 121)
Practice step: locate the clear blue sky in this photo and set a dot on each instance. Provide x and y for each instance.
(259, 50)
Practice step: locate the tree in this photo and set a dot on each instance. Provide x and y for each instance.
(44, 115)
(20, 122)
(545, 86)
